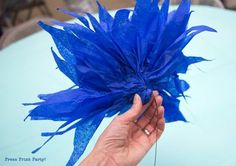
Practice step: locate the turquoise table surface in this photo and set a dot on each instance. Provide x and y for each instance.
(27, 69)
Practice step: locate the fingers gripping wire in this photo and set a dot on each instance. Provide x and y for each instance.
(145, 129)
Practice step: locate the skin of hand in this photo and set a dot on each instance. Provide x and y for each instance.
(124, 142)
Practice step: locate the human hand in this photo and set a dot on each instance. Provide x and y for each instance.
(129, 136)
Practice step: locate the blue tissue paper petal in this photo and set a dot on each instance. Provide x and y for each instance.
(110, 59)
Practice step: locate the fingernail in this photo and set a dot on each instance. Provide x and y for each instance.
(136, 98)
(155, 92)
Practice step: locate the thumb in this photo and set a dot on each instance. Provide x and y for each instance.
(135, 111)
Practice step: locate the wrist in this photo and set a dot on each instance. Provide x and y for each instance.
(98, 158)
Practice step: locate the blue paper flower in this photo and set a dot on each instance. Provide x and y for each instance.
(112, 59)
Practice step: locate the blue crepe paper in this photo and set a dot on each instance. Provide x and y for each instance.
(112, 59)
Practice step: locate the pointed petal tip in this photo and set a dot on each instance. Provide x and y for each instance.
(41, 23)
(47, 134)
(214, 30)
(209, 60)
(36, 150)
(44, 26)
(98, 3)
(62, 10)
(209, 29)
(26, 117)
(25, 104)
